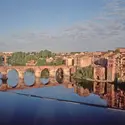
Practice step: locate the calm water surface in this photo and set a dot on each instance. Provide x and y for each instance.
(19, 110)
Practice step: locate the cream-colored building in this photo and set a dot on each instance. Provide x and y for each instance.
(82, 61)
(85, 61)
(69, 61)
(48, 60)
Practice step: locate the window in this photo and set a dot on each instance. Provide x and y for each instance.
(123, 66)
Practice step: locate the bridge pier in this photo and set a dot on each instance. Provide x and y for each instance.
(75, 88)
(37, 77)
(37, 73)
(21, 80)
(52, 77)
(21, 83)
(37, 81)
(67, 82)
(4, 79)
(52, 80)
(67, 78)
(4, 87)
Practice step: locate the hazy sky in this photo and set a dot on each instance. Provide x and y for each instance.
(61, 25)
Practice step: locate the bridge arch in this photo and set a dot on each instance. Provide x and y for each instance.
(13, 69)
(0, 78)
(13, 77)
(45, 72)
(29, 76)
(29, 70)
(70, 74)
(44, 75)
(59, 75)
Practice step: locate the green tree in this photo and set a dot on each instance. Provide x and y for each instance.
(41, 62)
(21, 58)
(30, 57)
(83, 73)
(17, 58)
(59, 61)
(40, 54)
(46, 53)
(9, 60)
(53, 55)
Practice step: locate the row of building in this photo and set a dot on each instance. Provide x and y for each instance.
(106, 64)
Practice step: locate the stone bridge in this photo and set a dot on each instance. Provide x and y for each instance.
(67, 71)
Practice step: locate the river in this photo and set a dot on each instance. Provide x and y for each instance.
(39, 106)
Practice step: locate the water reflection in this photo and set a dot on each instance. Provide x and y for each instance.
(83, 88)
(45, 76)
(115, 96)
(112, 93)
(97, 93)
(0, 79)
(29, 78)
(44, 80)
(13, 107)
(12, 78)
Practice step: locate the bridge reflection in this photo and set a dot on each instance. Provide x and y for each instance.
(21, 84)
(114, 94)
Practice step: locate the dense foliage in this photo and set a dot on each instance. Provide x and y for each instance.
(72, 53)
(21, 58)
(58, 61)
(82, 73)
(41, 62)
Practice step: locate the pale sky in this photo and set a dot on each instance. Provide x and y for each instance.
(62, 25)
